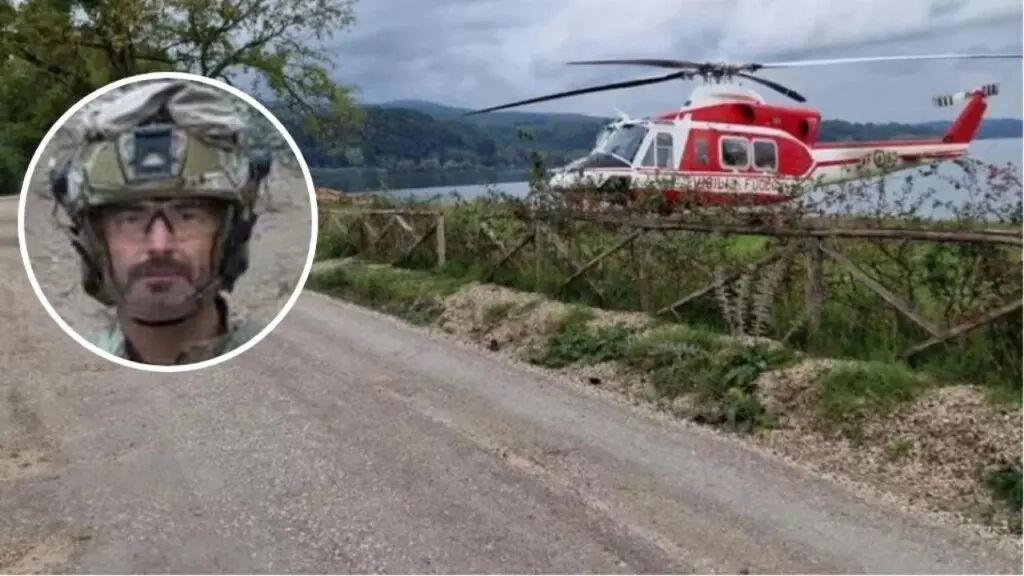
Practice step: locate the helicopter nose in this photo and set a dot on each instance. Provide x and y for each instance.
(558, 179)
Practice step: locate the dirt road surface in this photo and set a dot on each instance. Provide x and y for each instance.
(347, 442)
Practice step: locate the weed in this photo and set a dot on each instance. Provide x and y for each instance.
(898, 449)
(574, 341)
(497, 312)
(729, 387)
(849, 394)
(1007, 485)
(720, 373)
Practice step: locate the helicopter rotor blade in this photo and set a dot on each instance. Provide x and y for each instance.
(788, 92)
(722, 71)
(870, 59)
(653, 62)
(588, 90)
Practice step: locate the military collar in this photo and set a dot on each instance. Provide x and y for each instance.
(230, 327)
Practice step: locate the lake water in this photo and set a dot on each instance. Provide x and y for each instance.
(995, 151)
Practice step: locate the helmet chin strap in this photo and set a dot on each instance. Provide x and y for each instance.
(188, 307)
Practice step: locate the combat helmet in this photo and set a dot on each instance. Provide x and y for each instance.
(161, 140)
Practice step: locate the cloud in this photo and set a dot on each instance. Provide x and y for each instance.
(478, 53)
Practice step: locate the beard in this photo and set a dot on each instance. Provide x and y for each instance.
(162, 290)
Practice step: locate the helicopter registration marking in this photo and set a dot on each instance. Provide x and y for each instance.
(730, 184)
(879, 159)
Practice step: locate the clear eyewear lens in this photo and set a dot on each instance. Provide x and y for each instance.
(183, 222)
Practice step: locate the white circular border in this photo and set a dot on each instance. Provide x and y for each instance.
(314, 226)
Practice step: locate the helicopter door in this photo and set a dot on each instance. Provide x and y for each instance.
(700, 152)
(661, 152)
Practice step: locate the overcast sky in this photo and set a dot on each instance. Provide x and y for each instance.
(478, 53)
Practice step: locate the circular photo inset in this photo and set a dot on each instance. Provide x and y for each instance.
(167, 222)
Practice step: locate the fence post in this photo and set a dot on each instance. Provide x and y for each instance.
(815, 284)
(441, 241)
(538, 249)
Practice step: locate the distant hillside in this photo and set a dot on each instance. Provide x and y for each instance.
(414, 135)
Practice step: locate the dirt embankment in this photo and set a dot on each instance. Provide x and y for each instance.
(946, 449)
(939, 449)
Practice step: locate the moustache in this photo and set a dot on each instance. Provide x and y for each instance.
(158, 266)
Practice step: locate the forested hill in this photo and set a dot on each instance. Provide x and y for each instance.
(411, 135)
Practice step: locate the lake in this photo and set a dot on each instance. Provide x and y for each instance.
(355, 181)
(473, 184)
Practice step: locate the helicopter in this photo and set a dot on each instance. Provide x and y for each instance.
(726, 145)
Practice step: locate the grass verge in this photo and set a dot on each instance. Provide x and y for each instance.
(413, 295)
(851, 394)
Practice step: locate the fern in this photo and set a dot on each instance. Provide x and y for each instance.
(742, 302)
(764, 297)
(748, 308)
(724, 299)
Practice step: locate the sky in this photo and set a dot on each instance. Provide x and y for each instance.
(480, 53)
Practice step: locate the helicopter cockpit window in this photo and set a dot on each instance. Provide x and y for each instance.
(765, 156)
(623, 142)
(735, 153)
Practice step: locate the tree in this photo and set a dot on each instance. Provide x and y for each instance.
(54, 52)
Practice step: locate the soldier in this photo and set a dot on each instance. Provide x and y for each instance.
(160, 193)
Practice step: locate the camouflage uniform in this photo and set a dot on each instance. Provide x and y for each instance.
(236, 330)
(163, 140)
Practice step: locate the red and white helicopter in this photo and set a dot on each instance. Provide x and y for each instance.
(726, 145)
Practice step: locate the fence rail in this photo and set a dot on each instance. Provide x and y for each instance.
(555, 245)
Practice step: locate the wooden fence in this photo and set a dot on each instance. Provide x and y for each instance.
(370, 227)
(365, 230)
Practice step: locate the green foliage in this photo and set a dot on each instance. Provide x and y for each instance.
(720, 373)
(1007, 485)
(409, 294)
(572, 341)
(52, 54)
(25, 114)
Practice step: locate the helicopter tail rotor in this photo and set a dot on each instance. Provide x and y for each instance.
(946, 100)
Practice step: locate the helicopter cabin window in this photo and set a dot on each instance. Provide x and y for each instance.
(765, 155)
(701, 154)
(660, 152)
(735, 152)
(664, 147)
(648, 161)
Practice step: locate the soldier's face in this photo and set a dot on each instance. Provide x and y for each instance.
(160, 253)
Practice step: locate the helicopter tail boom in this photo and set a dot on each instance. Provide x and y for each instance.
(841, 161)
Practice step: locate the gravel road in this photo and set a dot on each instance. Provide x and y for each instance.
(348, 442)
